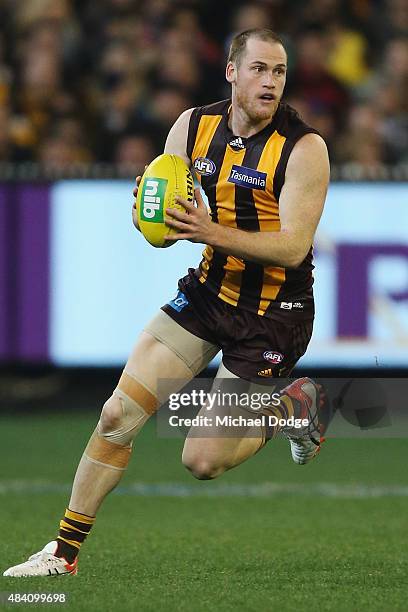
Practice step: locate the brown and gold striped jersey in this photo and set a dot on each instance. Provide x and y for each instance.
(243, 178)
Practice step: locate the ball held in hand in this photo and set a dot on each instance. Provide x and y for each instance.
(166, 178)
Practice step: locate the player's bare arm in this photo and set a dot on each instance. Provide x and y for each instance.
(176, 142)
(300, 207)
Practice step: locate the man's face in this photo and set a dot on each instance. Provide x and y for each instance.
(259, 80)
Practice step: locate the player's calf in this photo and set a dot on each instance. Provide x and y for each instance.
(207, 458)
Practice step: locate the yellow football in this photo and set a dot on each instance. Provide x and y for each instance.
(166, 177)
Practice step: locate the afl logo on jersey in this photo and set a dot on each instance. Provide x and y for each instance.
(204, 166)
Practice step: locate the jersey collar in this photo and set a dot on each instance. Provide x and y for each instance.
(238, 143)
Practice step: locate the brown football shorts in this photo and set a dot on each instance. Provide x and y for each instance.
(254, 347)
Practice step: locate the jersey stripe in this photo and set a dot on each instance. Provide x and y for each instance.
(205, 133)
(247, 219)
(229, 288)
(215, 151)
(268, 217)
(279, 177)
(212, 136)
(265, 201)
(226, 191)
(205, 263)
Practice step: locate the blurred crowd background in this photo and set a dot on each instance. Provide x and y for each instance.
(84, 81)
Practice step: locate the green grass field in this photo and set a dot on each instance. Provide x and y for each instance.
(330, 535)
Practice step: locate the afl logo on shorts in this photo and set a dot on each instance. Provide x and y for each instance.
(273, 356)
(204, 166)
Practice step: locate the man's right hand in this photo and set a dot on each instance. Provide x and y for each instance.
(134, 208)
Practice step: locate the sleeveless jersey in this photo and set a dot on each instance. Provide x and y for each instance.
(243, 178)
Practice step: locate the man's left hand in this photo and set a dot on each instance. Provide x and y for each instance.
(194, 224)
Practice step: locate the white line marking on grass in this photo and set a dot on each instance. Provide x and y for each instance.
(210, 489)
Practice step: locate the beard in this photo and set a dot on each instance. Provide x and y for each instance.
(253, 107)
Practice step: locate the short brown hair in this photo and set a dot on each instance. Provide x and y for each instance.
(238, 43)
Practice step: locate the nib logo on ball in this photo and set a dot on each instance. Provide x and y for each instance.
(152, 200)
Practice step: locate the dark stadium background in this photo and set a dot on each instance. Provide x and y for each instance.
(88, 90)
